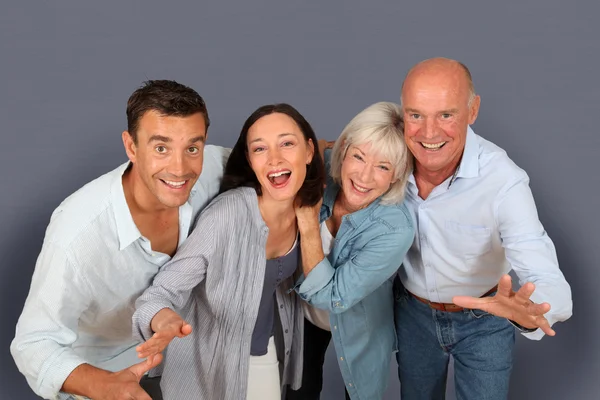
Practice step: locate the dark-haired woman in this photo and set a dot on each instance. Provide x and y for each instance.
(227, 288)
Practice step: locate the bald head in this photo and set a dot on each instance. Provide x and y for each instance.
(442, 70)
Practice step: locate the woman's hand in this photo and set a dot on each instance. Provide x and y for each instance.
(167, 325)
(307, 216)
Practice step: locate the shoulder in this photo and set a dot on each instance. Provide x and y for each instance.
(83, 212)
(494, 162)
(393, 217)
(215, 156)
(237, 204)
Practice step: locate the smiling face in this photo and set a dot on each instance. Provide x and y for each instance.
(278, 154)
(167, 158)
(437, 113)
(365, 176)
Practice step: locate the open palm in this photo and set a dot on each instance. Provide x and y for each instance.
(515, 306)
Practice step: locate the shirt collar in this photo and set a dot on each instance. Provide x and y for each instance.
(469, 164)
(127, 231)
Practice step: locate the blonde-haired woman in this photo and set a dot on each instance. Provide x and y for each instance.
(351, 246)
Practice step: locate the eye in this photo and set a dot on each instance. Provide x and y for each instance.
(287, 144)
(446, 115)
(258, 149)
(383, 168)
(415, 116)
(358, 157)
(160, 149)
(193, 150)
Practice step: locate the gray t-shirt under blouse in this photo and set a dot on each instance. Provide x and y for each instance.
(277, 270)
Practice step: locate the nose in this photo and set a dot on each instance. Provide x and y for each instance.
(274, 156)
(366, 174)
(177, 165)
(430, 128)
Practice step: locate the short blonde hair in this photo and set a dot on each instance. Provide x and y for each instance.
(382, 126)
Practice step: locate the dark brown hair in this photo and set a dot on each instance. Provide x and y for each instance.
(238, 171)
(169, 98)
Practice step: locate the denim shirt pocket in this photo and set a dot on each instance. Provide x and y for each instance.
(468, 241)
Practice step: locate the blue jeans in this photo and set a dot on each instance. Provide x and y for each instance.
(481, 345)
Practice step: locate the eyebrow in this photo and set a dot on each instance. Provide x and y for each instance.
(166, 139)
(279, 136)
(450, 111)
(363, 153)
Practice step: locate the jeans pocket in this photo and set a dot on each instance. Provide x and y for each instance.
(476, 313)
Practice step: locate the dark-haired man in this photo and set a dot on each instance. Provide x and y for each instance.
(106, 242)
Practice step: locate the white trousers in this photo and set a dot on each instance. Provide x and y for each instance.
(263, 375)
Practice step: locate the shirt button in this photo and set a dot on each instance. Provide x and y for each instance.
(350, 384)
(281, 306)
(286, 331)
(335, 327)
(431, 290)
(342, 358)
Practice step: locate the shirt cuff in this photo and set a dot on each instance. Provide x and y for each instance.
(142, 318)
(56, 371)
(316, 280)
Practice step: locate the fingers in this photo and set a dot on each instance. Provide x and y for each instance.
(537, 309)
(505, 286)
(141, 368)
(472, 302)
(186, 329)
(154, 345)
(544, 325)
(524, 293)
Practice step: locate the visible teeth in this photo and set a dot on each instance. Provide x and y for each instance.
(176, 184)
(433, 145)
(360, 189)
(276, 174)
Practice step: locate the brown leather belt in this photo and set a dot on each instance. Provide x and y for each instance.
(448, 307)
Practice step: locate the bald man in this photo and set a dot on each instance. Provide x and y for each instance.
(475, 221)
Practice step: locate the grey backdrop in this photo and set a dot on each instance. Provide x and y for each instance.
(66, 71)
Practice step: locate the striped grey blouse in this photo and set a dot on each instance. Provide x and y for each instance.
(215, 283)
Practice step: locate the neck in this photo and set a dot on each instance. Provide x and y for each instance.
(138, 197)
(435, 178)
(341, 206)
(276, 212)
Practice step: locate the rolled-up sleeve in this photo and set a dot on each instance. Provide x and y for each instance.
(338, 289)
(48, 324)
(531, 252)
(173, 284)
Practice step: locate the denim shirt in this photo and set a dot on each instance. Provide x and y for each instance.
(354, 284)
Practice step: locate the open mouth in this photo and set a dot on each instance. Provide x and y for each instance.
(174, 184)
(279, 178)
(433, 146)
(359, 188)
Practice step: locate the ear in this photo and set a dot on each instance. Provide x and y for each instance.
(474, 109)
(311, 151)
(130, 147)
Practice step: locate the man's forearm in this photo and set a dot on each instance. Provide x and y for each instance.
(84, 380)
(311, 248)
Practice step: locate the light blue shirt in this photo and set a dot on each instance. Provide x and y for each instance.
(93, 265)
(353, 283)
(475, 227)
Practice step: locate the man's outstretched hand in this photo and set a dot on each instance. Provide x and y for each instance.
(515, 306)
